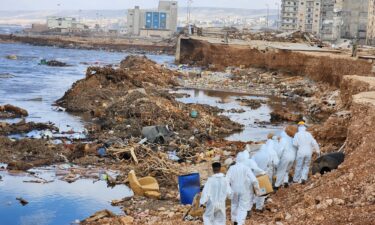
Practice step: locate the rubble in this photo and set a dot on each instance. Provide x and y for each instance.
(11, 111)
(24, 127)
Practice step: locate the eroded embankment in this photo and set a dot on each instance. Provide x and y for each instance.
(317, 67)
(346, 195)
(91, 43)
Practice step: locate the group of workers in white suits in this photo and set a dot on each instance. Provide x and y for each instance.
(275, 158)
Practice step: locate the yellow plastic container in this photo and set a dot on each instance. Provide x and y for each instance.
(265, 185)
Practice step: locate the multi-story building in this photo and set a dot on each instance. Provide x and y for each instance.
(64, 24)
(309, 16)
(289, 10)
(149, 23)
(370, 39)
(327, 14)
(351, 21)
(301, 15)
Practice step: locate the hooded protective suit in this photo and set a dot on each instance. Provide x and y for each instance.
(214, 194)
(287, 157)
(252, 164)
(305, 144)
(267, 160)
(242, 182)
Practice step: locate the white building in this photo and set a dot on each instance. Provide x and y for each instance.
(153, 23)
(64, 24)
(303, 15)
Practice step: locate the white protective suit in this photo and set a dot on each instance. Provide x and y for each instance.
(267, 160)
(276, 145)
(242, 182)
(252, 164)
(214, 194)
(305, 144)
(287, 157)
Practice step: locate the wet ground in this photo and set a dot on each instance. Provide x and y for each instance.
(252, 119)
(36, 87)
(57, 202)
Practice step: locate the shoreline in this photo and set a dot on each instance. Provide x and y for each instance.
(93, 43)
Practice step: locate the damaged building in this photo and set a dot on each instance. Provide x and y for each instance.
(153, 23)
(331, 20)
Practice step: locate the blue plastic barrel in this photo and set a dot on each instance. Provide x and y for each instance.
(189, 186)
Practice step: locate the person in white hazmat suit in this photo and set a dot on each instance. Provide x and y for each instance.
(287, 158)
(267, 160)
(305, 144)
(243, 183)
(214, 194)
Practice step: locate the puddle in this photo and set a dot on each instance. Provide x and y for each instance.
(253, 131)
(58, 202)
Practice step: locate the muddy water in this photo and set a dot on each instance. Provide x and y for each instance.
(253, 120)
(36, 87)
(57, 203)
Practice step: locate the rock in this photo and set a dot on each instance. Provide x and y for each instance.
(338, 201)
(329, 202)
(279, 216)
(350, 176)
(319, 218)
(126, 220)
(161, 209)
(288, 216)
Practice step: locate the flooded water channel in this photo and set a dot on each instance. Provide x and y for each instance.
(56, 202)
(254, 120)
(34, 87)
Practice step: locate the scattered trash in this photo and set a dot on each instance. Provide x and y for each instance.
(189, 186)
(22, 201)
(53, 63)
(157, 134)
(6, 75)
(327, 162)
(173, 156)
(194, 114)
(146, 186)
(102, 152)
(12, 57)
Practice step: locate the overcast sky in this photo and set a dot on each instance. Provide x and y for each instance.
(124, 4)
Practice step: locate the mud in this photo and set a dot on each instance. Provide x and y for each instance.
(28, 153)
(24, 127)
(10, 111)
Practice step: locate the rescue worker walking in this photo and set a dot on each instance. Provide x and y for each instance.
(243, 183)
(305, 144)
(267, 160)
(214, 195)
(287, 156)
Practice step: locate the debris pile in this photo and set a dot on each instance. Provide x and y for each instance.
(293, 37)
(124, 100)
(11, 111)
(27, 153)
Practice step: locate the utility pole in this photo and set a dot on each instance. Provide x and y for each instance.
(268, 13)
(278, 15)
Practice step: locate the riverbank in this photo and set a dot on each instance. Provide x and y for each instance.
(95, 43)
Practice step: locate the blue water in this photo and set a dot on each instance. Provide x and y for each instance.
(33, 81)
(57, 203)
